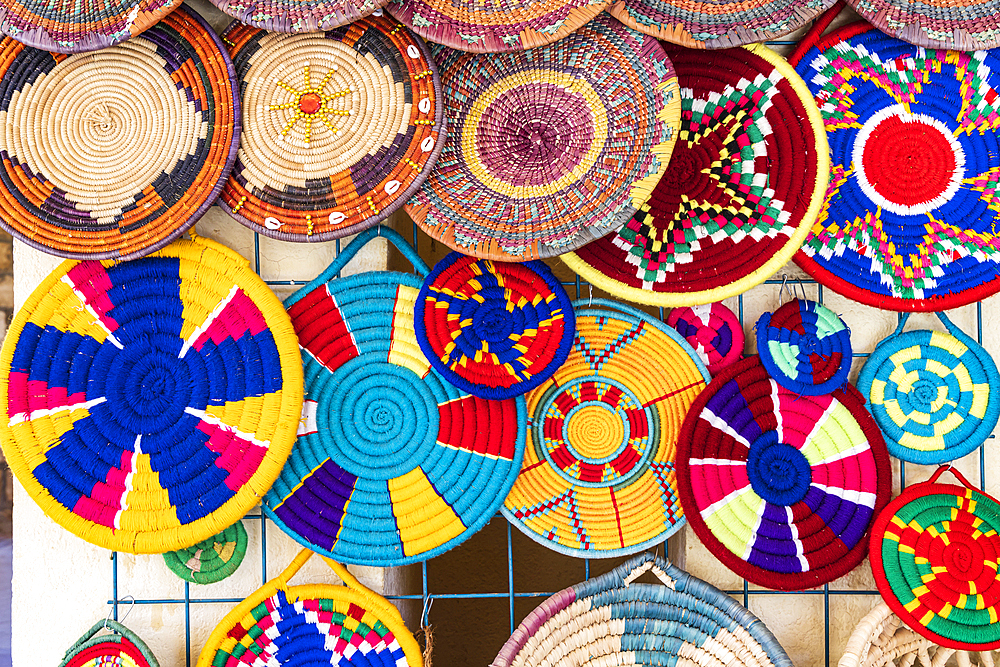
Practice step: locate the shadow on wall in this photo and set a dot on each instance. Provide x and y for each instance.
(6, 479)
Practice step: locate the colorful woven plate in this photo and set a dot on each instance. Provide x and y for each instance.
(782, 488)
(393, 464)
(550, 148)
(339, 129)
(933, 394)
(934, 554)
(314, 624)
(299, 15)
(744, 185)
(713, 331)
(598, 476)
(715, 24)
(112, 155)
(109, 643)
(150, 404)
(805, 347)
(910, 215)
(610, 620)
(507, 25)
(964, 25)
(211, 560)
(493, 329)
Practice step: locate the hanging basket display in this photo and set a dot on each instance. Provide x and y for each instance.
(782, 488)
(493, 329)
(393, 464)
(713, 331)
(934, 556)
(805, 347)
(598, 476)
(150, 404)
(114, 154)
(109, 643)
(312, 624)
(935, 395)
(611, 620)
(744, 185)
(339, 128)
(535, 164)
(299, 15)
(911, 210)
(210, 560)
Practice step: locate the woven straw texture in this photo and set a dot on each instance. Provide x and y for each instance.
(507, 25)
(782, 488)
(150, 404)
(312, 624)
(910, 213)
(963, 25)
(805, 347)
(299, 15)
(339, 128)
(598, 476)
(114, 154)
(715, 24)
(744, 185)
(881, 640)
(493, 329)
(550, 148)
(109, 643)
(609, 620)
(934, 556)
(211, 560)
(935, 395)
(713, 331)
(393, 464)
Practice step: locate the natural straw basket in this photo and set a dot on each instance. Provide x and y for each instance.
(551, 148)
(112, 155)
(713, 331)
(339, 128)
(598, 476)
(393, 464)
(934, 555)
(935, 395)
(299, 15)
(211, 560)
(109, 643)
(744, 185)
(505, 25)
(782, 488)
(805, 347)
(964, 25)
(715, 24)
(150, 404)
(493, 329)
(610, 620)
(312, 624)
(910, 215)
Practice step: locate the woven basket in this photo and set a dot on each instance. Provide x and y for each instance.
(507, 25)
(109, 643)
(211, 560)
(112, 155)
(934, 557)
(312, 624)
(299, 15)
(963, 25)
(493, 329)
(711, 24)
(935, 395)
(339, 128)
(805, 347)
(150, 404)
(598, 476)
(551, 148)
(713, 331)
(911, 210)
(782, 488)
(393, 464)
(744, 185)
(609, 620)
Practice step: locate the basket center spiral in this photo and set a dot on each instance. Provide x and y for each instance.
(779, 473)
(595, 431)
(493, 323)
(925, 392)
